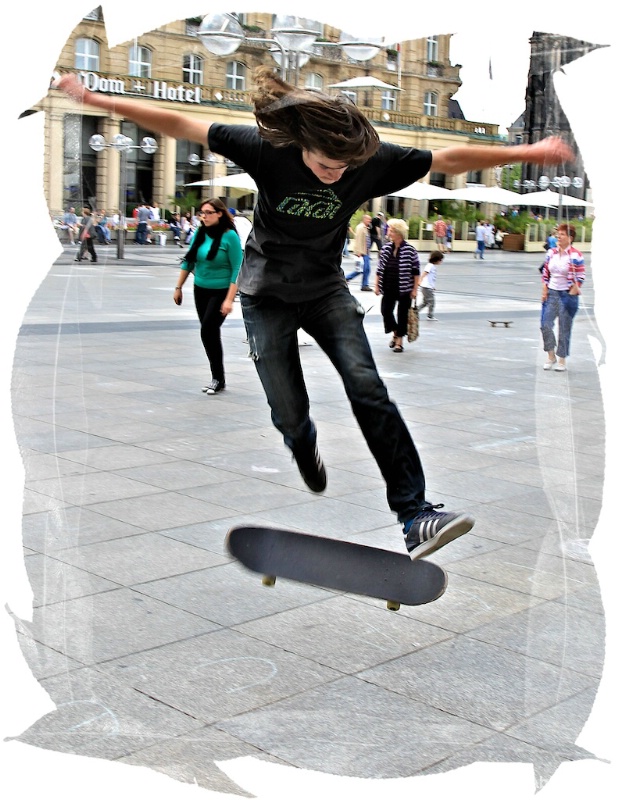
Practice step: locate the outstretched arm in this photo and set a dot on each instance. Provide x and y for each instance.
(150, 117)
(454, 160)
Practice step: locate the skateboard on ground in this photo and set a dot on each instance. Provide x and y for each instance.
(504, 322)
(334, 564)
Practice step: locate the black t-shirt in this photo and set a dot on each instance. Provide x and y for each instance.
(295, 248)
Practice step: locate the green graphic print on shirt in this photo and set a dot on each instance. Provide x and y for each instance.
(319, 204)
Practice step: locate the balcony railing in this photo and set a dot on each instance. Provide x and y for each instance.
(242, 100)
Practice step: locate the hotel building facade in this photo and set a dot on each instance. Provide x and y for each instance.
(171, 67)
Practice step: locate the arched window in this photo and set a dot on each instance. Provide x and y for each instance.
(140, 62)
(314, 81)
(87, 55)
(430, 104)
(235, 76)
(193, 69)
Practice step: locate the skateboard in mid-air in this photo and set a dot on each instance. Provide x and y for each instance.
(335, 564)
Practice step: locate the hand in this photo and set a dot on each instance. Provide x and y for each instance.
(71, 85)
(226, 308)
(552, 150)
(574, 289)
(178, 296)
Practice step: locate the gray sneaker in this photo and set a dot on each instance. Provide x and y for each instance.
(214, 387)
(431, 529)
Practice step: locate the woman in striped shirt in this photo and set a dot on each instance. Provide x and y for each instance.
(397, 278)
(563, 272)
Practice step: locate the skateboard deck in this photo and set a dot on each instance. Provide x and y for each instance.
(334, 564)
(505, 322)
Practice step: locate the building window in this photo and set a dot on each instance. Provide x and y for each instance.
(475, 178)
(193, 69)
(432, 48)
(388, 102)
(314, 81)
(139, 166)
(352, 96)
(430, 104)
(140, 62)
(80, 162)
(87, 55)
(235, 76)
(185, 172)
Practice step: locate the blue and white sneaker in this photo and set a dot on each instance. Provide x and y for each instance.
(431, 529)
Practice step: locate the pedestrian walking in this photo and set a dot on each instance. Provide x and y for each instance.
(563, 273)
(86, 236)
(427, 283)
(214, 259)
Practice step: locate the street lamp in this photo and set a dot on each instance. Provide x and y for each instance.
(122, 145)
(194, 159)
(222, 35)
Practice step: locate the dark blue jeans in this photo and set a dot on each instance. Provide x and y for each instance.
(336, 323)
(561, 305)
(365, 271)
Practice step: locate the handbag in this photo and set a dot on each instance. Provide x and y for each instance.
(413, 323)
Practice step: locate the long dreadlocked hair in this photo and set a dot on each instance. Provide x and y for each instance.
(333, 126)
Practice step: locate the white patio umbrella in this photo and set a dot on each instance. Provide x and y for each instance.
(364, 82)
(239, 181)
(487, 194)
(552, 199)
(423, 191)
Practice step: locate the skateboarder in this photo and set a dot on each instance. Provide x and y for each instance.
(316, 160)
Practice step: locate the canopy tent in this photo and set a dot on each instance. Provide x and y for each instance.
(423, 191)
(239, 181)
(487, 194)
(364, 82)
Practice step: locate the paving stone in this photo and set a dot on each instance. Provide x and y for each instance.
(219, 675)
(485, 684)
(105, 626)
(99, 716)
(230, 594)
(138, 559)
(355, 729)
(344, 634)
(556, 633)
(54, 581)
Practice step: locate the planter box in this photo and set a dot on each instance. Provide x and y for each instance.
(513, 241)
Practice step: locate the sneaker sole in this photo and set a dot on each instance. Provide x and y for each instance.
(457, 527)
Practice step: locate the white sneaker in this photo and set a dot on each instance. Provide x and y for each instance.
(560, 366)
(550, 364)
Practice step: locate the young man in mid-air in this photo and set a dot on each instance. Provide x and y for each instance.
(317, 159)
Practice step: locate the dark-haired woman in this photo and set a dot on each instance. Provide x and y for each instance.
(214, 258)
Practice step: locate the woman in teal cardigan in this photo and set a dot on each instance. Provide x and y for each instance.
(214, 257)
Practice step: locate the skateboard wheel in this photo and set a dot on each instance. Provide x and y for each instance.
(392, 605)
(268, 580)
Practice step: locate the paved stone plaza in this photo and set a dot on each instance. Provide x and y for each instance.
(160, 651)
